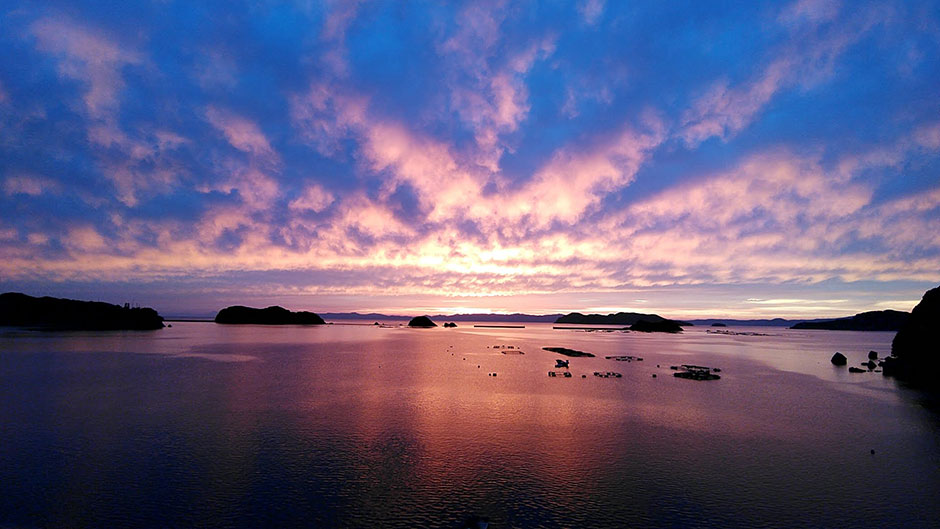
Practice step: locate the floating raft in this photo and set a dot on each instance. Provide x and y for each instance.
(625, 358)
(567, 352)
(692, 372)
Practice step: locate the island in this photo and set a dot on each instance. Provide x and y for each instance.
(567, 352)
(274, 315)
(620, 318)
(656, 326)
(914, 353)
(876, 320)
(48, 313)
(421, 321)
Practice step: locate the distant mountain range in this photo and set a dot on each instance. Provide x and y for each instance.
(622, 318)
(373, 316)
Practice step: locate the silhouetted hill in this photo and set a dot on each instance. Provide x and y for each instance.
(620, 318)
(269, 316)
(878, 320)
(68, 314)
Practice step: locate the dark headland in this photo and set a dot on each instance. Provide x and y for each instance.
(877, 320)
(68, 314)
(269, 316)
(915, 354)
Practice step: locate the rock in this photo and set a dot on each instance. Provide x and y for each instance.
(838, 359)
(854, 369)
(872, 355)
(421, 321)
(718, 324)
(914, 352)
(274, 315)
(450, 324)
(68, 314)
(870, 365)
(656, 326)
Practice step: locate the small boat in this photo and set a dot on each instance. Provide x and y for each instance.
(561, 363)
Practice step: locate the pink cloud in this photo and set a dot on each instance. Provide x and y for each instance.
(29, 185)
(314, 198)
(591, 10)
(240, 132)
(89, 57)
(807, 59)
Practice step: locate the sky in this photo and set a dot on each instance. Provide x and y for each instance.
(693, 159)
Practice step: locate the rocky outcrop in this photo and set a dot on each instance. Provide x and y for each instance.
(274, 315)
(838, 359)
(68, 314)
(878, 320)
(914, 351)
(421, 321)
(450, 325)
(656, 326)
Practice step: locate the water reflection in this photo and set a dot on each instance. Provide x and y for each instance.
(366, 427)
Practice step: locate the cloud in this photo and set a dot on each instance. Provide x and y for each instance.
(30, 185)
(240, 132)
(591, 10)
(314, 198)
(805, 60)
(89, 57)
(486, 83)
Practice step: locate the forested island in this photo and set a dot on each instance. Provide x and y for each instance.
(620, 318)
(50, 313)
(274, 315)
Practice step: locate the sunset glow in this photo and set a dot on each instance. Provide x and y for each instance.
(754, 160)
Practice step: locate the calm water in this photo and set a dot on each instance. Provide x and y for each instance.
(201, 425)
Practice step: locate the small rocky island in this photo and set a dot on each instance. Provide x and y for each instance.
(914, 352)
(620, 318)
(421, 321)
(876, 320)
(50, 313)
(656, 326)
(274, 315)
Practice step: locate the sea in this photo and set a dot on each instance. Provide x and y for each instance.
(357, 425)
